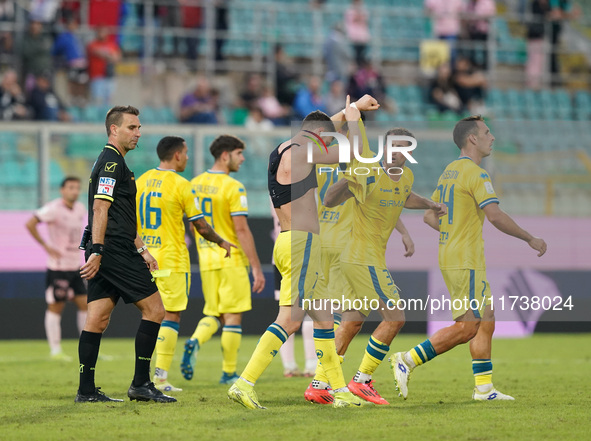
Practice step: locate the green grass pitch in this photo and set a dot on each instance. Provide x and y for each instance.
(547, 374)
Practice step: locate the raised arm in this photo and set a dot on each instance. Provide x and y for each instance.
(409, 245)
(503, 222)
(208, 233)
(247, 241)
(416, 202)
(337, 194)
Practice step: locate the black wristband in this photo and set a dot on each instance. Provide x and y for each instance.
(98, 248)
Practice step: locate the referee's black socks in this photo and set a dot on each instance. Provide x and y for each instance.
(145, 342)
(88, 350)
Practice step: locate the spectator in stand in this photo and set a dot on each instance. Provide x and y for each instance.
(308, 99)
(480, 12)
(470, 85)
(45, 104)
(443, 92)
(286, 81)
(70, 9)
(561, 11)
(44, 10)
(35, 52)
(334, 99)
(367, 80)
(356, 25)
(221, 25)
(7, 15)
(191, 20)
(256, 121)
(536, 31)
(253, 91)
(447, 24)
(69, 46)
(272, 108)
(199, 106)
(103, 54)
(338, 55)
(13, 103)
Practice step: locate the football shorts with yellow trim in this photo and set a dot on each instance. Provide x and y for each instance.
(369, 283)
(226, 291)
(336, 284)
(468, 289)
(297, 255)
(174, 291)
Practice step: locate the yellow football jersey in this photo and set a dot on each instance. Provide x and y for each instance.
(335, 223)
(162, 198)
(465, 188)
(377, 206)
(220, 197)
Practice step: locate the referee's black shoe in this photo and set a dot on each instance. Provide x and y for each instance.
(95, 397)
(147, 392)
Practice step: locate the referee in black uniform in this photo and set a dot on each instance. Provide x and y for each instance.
(118, 264)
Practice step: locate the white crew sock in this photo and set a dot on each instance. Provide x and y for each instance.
(309, 348)
(287, 354)
(409, 361)
(360, 377)
(53, 331)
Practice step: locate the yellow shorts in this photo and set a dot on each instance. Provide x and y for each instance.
(297, 257)
(174, 291)
(226, 291)
(468, 289)
(369, 285)
(335, 282)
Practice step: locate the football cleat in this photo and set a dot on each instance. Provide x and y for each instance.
(366, 391)
(318, 396)
(164, 385)
(309, 374)
(347, 399)
(189, 358)
(60, 356)
(401, 373)
(148, 392)
(95, 397)
(491, 395)
(244, 394)
(229, 378)
(290, 373)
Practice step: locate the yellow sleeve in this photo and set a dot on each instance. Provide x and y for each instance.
(190, 202)
(238, 201)
(481, 188)
(360, 184)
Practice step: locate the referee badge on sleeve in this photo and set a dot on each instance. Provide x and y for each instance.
(106, 186)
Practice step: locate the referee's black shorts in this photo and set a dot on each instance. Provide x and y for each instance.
(123, 273)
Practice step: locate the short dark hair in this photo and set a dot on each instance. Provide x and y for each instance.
(399, 131)
(115, 116)
(69, 179)
(464, 128)
(168, 146)
(318, 119)
(225, 143)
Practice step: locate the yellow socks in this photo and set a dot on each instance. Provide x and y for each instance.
(421, 353)
(374, 355)
(266, 349)
(231, 338)
(482, 369)
(205, 329)
(326, 352)
(165, 345)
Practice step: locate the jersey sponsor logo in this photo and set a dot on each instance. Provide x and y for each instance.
(106, 186)
(152, 241)
(243, 202)
(489, 188)
(110, 167)
(385, 203)
(389, 190)
(330, 216)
